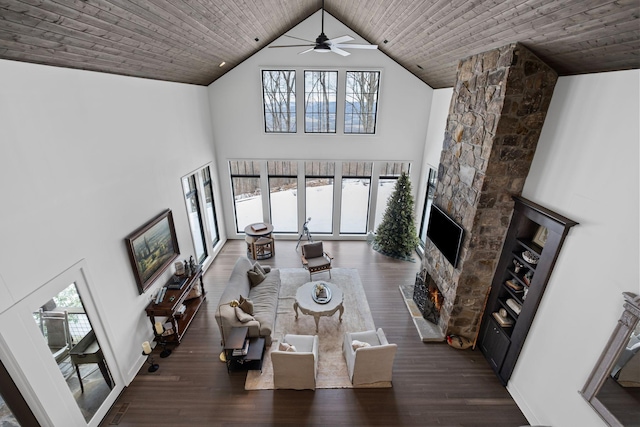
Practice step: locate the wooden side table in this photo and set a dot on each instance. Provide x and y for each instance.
(255, 354)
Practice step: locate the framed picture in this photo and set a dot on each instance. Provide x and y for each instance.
(540, 237)
(152, 248)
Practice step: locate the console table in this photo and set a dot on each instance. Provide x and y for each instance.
(170, 305)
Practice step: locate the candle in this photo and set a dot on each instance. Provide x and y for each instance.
(159, 328)
(146, 347)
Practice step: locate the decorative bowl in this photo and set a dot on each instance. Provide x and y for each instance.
(530, 258)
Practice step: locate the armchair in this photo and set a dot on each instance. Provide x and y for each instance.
(55, 327)
(296, 369)
(371, 364)
(315, 259)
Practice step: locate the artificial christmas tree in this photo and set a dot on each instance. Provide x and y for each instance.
(396, 235)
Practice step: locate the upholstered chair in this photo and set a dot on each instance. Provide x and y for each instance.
(315, 259)
(296, 369)
(371, 361)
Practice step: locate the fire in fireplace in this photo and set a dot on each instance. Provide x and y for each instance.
(428, 297)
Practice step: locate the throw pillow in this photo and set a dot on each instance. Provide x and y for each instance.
(242, 316)
(286, 347)
(255, 277)
(246, 305)
(258, 267)
(283, 346)
(355, 344)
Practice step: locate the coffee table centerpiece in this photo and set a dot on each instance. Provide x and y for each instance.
(321, 293)
(319, 299)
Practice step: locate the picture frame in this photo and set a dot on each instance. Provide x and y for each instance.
(152, 248)
(540, 238)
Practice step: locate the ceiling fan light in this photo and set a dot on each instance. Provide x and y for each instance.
(323, 48)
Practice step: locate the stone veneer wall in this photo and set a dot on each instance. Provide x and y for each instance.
(497, 110)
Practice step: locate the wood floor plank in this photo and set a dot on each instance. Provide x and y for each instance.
(433, 384)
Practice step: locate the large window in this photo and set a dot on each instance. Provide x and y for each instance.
(279, 98)
(389, 175)
(356, 186)
(210, 207)
(320, 89)
(247, 200)
(283, 195)
(431, 191)
(361, 101)
(319, 178)
(195, 217)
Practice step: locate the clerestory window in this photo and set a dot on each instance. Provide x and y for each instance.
(279, 98)
(320, 91)
(361, 101)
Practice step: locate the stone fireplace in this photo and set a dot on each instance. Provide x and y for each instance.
(497, 110)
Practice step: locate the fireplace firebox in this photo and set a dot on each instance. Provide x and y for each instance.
(428, 297)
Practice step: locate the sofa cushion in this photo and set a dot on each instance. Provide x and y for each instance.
(313, 250)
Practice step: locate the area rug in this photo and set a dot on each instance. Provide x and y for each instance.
(332, 368)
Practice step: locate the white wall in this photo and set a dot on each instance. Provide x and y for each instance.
(236, 107)
(437, 125)
(85, 159)
(586, 168)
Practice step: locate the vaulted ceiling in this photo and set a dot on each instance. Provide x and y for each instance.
(185, 41)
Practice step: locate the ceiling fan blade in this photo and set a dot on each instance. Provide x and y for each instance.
(298, 38)
(305, 51)
(357, 46)
(339, 51)
(342, 39)
(294, 45)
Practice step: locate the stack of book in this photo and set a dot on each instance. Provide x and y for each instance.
(242, 351)
(505, 322)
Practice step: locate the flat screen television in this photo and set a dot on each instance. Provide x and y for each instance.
(445, 234)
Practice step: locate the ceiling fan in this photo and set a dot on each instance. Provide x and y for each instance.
(324, 44)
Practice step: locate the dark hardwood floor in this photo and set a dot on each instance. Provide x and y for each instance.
(433, 384)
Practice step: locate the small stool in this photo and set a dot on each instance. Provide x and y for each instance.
(264, 248)
(251, 249)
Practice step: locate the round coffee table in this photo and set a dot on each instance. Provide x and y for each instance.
(306, 304)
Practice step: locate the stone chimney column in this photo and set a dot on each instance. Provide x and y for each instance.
(497, 110)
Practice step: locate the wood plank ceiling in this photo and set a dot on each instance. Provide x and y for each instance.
(185, 41)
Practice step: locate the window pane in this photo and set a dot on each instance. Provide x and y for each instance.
(247, 196)
(320, 204)
(279, 97)
(195, 220)
(320, 89)
(385, 189)
(361, 102)
(389, 174)
(248, 201)
(355, 205)
(283, 195)
(210, 206)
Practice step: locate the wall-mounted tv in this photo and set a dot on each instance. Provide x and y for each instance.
(445, 234)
